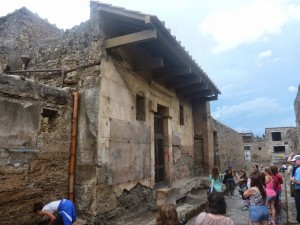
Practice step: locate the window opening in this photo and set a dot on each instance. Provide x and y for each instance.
(48, 121)
(247, 148)
(276, 136)
(279, 148)
(140, 108)
(181, 115)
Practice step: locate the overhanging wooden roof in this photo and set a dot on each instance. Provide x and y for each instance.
(170, 63)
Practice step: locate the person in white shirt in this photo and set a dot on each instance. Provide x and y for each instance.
(65, 208)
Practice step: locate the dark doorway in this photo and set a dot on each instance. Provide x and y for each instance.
(159, 151)
(198, 156)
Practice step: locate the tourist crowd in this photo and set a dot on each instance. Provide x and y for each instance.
(260, 192)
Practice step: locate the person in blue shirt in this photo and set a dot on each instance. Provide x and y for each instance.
(296, 180)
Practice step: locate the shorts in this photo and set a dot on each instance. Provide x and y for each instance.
(270, 198)
(258, 213)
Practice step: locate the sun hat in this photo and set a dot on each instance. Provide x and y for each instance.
(296, 157)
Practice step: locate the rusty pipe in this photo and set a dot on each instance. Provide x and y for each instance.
(73, 146)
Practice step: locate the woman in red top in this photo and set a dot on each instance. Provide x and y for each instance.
(278, 203)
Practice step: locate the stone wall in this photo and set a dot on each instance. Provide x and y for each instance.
(230, 147)
(35, 134)
(79, 50)
(20, 32)
(260, 153)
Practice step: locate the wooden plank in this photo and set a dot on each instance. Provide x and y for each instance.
(150, 64)
(133, 38)
(171, 74)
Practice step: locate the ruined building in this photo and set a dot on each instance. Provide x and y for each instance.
(142, 128)
(275, 147)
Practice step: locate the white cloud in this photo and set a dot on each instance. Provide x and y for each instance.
(65, 15)
(253, 108)
(292, 88)
(248, 23)
(265, 54)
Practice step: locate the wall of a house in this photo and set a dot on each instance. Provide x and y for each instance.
(230, 147)
(35, 134)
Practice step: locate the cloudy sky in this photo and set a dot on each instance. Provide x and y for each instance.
(249, 48)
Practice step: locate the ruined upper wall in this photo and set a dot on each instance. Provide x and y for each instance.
(78, 49)
(20, 32)
(35, 136)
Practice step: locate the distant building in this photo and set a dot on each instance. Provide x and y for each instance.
(274, 147)
(279, 143)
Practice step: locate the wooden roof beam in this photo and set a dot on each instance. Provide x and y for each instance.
(184, 83)
(149, 64)
(173, 73)
(205, 99)
(199, 94)
(197, 87)
(134, 38)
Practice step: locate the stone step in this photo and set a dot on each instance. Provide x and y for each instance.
(79, 222)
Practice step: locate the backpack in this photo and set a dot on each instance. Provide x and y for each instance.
(292, 185)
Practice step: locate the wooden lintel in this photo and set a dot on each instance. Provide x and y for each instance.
(133, 38)
(199, 94)
(150, 64)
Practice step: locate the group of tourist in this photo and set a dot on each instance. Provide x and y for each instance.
(261, 195)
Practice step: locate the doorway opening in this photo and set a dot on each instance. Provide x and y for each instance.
(159, 167)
